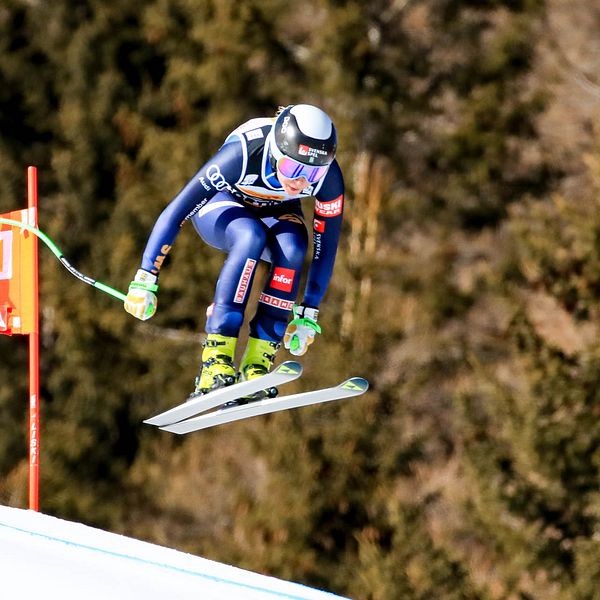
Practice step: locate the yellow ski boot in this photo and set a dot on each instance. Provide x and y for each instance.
(218, 369)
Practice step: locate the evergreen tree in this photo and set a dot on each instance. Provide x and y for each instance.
(465, 290)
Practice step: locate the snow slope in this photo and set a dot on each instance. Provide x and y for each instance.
(45, 558)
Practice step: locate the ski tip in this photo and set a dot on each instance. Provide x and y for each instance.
(289, 367)
(357, 384)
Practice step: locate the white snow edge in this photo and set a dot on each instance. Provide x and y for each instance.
(46, 558)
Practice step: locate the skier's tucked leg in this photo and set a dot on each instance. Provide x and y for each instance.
(287, 246)
(218, 368)
(230, 227)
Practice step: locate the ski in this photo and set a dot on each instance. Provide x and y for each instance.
(355, 386)
(197, 403)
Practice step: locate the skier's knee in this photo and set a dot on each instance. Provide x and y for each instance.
(224, 320)
(268, 327)
(249, 241)
(293, 251)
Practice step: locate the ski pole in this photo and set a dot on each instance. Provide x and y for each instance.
(53, 248)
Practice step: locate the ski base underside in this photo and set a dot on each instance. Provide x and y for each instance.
(355, 386)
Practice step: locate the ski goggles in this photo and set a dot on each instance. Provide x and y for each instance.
(292, 169)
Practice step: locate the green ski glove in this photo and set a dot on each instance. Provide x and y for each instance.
(301, 331)
(141, 301)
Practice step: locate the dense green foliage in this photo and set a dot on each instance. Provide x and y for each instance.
(466, 290)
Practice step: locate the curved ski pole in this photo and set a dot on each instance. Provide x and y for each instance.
(53, 248)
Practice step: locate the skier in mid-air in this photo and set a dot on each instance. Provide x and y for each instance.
(246, 201)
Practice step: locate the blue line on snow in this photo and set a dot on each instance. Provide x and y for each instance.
(167, 566)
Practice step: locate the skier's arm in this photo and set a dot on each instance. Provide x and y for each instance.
(213, 177)
(327, 224)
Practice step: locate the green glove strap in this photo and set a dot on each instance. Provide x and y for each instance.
(307, 323)
(142, 285)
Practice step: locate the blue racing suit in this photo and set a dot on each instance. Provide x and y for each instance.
(237, 204)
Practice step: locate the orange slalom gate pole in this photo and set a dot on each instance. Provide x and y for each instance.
(34, 355)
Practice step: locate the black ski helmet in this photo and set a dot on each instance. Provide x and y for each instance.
(305, 133)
